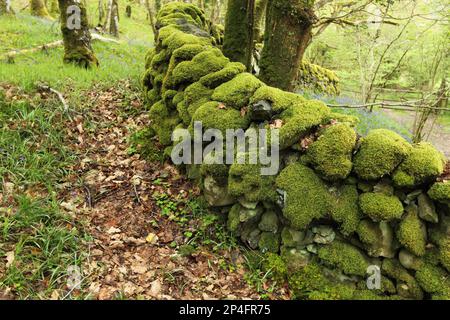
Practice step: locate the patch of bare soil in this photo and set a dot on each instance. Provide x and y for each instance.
(129, 255)
(439, 136)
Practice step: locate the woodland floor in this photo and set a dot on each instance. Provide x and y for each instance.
(139, 215)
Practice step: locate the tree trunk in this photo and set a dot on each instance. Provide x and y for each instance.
(101, 12)
(112, 18)
(287, 34)
(38, 9)
(128, 11)
(260, 14)
(151, 18)
(76, 36)
(238, 38)
(215, 11)
(5, 7)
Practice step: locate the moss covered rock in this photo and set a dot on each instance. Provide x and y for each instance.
(236, 93)
(380, 153)
(440, 191)
(345, 209)
(412, 233)
(305, 195)
(269, 242)
(423, 164)
(331, 154)
(345, 257)
(379, 206)
(226, 74)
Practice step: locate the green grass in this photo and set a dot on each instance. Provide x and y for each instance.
(33, 161)
(117, 61)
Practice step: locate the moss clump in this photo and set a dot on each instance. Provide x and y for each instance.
(351, 121)
(331, 154)
(226, 74)
(344, 257)
(245, 180)
(306, 197)
(345, 209)
(411, 234)
(423, 164)
(280, 100)
(444, 253)
(236, 93)
(148, 57)
(234, 221)
(407, 286)
(172, 38)
(195, 95)
(440, 191)
(163, 122)
(202, 64)
(274, 264)
(368, 232)
(380, 207)
(212, 116)
(380, 153)
(269, 242)
(433, 279)
(299, 120)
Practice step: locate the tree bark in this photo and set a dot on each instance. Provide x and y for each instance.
(260, 14)
(112, 18)
(38, 9)
(101, 12)
(5, 7)
(238, 38)
(76, 35)
(287, 34)
(151, 18)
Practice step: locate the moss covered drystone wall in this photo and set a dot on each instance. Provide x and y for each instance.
(340, 204)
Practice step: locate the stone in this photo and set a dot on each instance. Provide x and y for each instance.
(410, 197)
(269, 222)
(427, 210)
(295, 258)
(253, 238)
(323, 234)
(311, 248)
(294, 238)
(385, 187)
(408, 260)
(261, 111)
(248, 214)
(247, 204)
(216, 194)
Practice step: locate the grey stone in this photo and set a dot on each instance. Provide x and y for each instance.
(261, 111)
(295, 258)
(269, 222)
(248, 214)
(216, 194)
(427, 210)
(247, 204)
(323, 234)
(293, 238)
(408, 260)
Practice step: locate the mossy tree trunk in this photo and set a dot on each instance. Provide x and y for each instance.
(38, 9)
(101, 12)
(238, 38)
(287, 34)
(76, 36)
(5, 7)
(259, 16)
(112, 18)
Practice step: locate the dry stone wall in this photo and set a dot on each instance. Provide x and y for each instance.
(341, 207)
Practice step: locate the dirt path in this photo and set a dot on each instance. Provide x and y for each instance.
(439, 137)
(130, 255)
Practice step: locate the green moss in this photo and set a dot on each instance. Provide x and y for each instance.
(163, 122)
(409, 286)
(148, 57)
(195, 95)
(233, 221)
(345, 209)
(274, 264)
(379, 206)
(444, 253)
(411, 234)
(380, 153)
(306, 196)
(423, 164)
(269, 242)
(226, 74)
(280, 100)
(202, 64)
(299, 120)
(344, 257)
(313, 77)
(433, 279)
(440, 191)
(236, 93)
(368, 232)
(245, 180)
(351, 121)
(212, 116)
(331, 154)
(172, 38)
